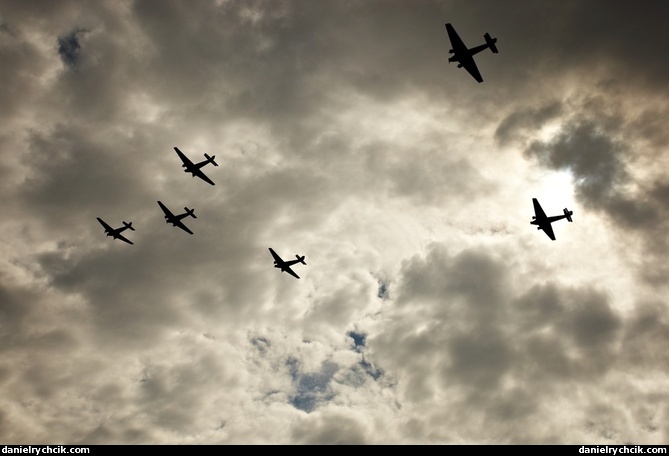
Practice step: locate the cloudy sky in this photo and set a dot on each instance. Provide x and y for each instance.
(429, 312)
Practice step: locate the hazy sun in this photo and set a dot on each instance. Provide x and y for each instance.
(555, 191)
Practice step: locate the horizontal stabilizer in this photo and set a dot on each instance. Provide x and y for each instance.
(211, 159)
(568, 214)
(491, 43)
(190, 212)
(128, 225)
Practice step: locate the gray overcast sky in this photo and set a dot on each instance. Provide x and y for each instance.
(429, 312)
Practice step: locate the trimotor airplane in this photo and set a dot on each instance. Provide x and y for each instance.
(285, 265)
(194, 168)
(465, 56)
(116, 232)
(175, 220)
(543, 222)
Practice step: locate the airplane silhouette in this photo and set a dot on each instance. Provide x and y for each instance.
(465, 56)
(116, 232)
(543, 222)
(175, 220)
(285, 265)
(194, 168)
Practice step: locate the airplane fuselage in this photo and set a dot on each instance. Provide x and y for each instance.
(547, 220)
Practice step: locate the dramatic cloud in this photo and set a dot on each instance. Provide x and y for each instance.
(429, 310)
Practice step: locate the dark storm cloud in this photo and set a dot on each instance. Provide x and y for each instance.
(228, 50)
(651, 127)
(430, 178)
(525, 120)
(69, 47)
(111, 281)
(458, 299)
(28, 323)
(474, 334)
(479, 358)
(472, 276)
(100, 41)
(646, 337)
(614, 38)
(21, 68)
(591, 153)
(73, 169)
(557, 320)
(168, 392)
(14, 307)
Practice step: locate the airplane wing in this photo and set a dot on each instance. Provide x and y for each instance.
(291, 272)
(469, 65)
(121, 237)
(166, 210)
(458, 46)
(542, 221)
(548, 229)
(277, 258)
(538, 211)
(204, 177)
(106, 227)
(180, 224)
(183, 158)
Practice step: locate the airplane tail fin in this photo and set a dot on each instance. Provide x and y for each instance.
(568, 214)
(211, 159)
(300, 259)
(190, 212)
(128, 225)
(491, 43)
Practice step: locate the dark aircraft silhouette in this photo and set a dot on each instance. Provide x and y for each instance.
(465, 56)
(175, 220)
(194, 168)
(285, 265)
(116, 232)
(543, 222)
